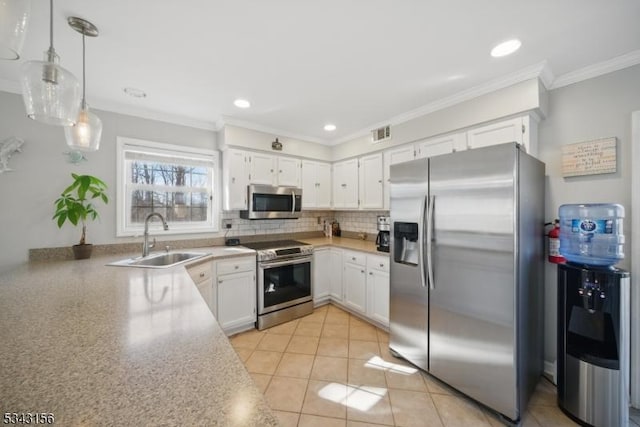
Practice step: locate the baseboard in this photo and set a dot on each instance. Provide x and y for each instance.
(550, 371)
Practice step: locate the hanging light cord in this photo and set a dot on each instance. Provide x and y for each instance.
(51, 53)
(84, 80)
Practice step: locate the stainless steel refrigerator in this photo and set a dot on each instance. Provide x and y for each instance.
(466, 273)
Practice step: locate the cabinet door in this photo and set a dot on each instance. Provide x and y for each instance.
(441, 145)
(371, 182)
(262, 169)
(392, 157)
(309, 184)
(338, 185)
(208, 294)
(355, 289)
(497, 133)
(346, 184)
(323, 186)
(378, 292)
(235, 177)
(289, 172)
(236, 299)
(321, 274)
(336, 290)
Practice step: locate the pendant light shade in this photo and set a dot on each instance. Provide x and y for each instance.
(86, 133)
(51, 94)
(14, 19)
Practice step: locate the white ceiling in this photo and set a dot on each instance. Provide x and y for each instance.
(302, 63)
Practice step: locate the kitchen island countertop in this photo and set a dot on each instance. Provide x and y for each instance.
(102, 345)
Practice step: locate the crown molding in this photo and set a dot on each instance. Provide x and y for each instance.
(618, 63)
(534, 71)
(144, 113)
(226, 120)
(129, 110)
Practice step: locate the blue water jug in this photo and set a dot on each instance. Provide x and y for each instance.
(592, 233)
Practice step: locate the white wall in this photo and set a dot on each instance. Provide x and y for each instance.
(595, 108)
(255, 140)
(41, 172)
(516, 99)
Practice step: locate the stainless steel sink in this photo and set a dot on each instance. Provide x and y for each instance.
(160, 260)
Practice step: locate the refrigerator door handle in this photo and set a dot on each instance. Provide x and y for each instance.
(429, 228)
(421, 228)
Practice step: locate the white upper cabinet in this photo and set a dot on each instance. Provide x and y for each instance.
(268, 169)
(345, 184)
(392, 157)
(235, 179)
(262, 168)
(441, 145)
(371, 184)
(520, 129)
(316, 185)
(288, 171)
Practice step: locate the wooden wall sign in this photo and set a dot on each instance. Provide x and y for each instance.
(589, 157)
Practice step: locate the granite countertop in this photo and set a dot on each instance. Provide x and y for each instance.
(102, 345)
(345, 243)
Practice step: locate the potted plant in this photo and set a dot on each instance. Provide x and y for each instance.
(75, 205)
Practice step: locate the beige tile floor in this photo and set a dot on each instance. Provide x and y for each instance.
(333, 369)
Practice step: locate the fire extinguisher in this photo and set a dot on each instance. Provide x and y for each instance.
(554, 244)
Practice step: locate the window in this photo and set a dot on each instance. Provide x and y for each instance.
(178, 182)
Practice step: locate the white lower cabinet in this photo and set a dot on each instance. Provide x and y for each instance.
(236, 293)
(321, 275)
(202, 276)
(355, 281)
(336, 290)
(378, 289)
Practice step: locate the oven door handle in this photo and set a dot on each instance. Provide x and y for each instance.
(271, 264)
(293, 199)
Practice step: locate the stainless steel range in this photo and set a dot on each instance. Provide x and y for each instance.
(285, 284)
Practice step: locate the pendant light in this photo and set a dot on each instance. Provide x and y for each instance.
(51, 94)
(85, 134)
(14, 19)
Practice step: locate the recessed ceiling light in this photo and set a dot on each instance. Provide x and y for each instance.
(506, 48)
(329, 127)
(136, 93)
(242, 103)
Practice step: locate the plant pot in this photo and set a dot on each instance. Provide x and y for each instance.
(82, 251)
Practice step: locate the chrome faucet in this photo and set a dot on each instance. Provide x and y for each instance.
(146, 245)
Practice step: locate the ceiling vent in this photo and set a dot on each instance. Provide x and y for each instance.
(381, 134)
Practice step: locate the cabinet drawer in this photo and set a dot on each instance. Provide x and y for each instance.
(377, 263)
(236, 265)
(200, 272)
(355, 258)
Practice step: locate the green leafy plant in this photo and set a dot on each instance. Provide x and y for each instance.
(75, 203)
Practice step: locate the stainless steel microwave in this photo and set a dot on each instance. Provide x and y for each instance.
(268, 202)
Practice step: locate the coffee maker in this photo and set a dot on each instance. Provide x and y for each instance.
(382, 240)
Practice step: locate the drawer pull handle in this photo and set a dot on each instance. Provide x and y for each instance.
(370, 274)
(353, 258)
(236, 267)
(202, 274)
(219, 281)
(381, 265)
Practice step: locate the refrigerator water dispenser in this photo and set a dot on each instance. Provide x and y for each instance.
(406, 249)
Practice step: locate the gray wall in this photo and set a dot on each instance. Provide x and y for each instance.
(41, 172)
(595, 108)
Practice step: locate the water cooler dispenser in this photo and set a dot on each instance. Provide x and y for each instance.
(593, 317)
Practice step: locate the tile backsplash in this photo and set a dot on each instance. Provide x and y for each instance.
(353, 221)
